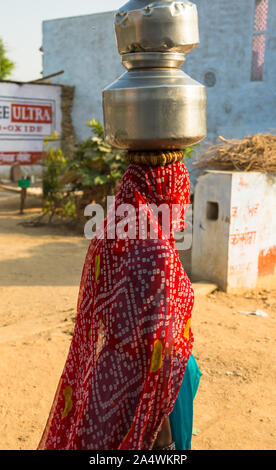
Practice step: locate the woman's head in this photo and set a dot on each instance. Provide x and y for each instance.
(166, 187)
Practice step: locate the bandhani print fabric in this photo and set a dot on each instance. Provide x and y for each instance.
(132, 337)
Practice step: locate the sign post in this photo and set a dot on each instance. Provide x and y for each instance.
(23, 183)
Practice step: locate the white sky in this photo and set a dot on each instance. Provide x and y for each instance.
(21, 28)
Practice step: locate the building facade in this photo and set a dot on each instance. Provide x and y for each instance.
(236, 60)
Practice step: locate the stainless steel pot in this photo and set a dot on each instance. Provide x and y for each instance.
(154, 109)
(149, 60)
(157, 26)
(155, 105)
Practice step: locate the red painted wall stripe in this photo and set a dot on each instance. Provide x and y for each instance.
(267, 261)
(24, 158)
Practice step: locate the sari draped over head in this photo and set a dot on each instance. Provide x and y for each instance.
(132, 337)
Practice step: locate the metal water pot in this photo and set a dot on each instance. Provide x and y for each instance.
(155, 105)
(158, 26)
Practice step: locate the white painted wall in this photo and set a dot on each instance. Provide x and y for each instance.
(238, 248)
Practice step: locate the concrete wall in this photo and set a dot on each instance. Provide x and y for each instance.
(235, 247)
(84, 47)
(236, 106)
(211, 237)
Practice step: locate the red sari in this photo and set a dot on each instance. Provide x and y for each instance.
(132, 337)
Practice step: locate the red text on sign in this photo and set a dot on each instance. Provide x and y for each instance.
(37, 114)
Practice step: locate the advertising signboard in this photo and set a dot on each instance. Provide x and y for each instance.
(28, 114)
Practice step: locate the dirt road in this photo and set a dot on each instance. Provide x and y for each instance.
(40, 270)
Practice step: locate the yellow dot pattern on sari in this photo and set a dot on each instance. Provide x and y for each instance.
(126, 436)
(156, 359)
(97, 267)
(67, 392)
(187, 329)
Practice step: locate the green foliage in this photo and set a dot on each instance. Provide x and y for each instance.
(6, 65)
(96, 169)
(56, 200)
(188, 151)
(95, 162)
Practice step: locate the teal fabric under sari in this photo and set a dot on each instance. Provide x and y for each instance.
(181, 418)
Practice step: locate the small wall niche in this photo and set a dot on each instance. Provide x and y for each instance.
(212, 210)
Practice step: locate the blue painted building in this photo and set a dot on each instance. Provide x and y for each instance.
(236, 60)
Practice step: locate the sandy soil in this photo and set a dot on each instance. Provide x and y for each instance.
(40, 270)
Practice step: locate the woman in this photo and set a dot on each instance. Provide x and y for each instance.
(132, 337)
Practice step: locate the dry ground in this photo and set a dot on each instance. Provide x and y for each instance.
(40, 270)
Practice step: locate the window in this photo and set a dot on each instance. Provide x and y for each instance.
(258, 43)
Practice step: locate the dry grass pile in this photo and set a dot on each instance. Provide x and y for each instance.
(253, 153)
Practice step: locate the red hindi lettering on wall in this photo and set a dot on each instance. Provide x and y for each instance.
(24, 158)
(39, 114)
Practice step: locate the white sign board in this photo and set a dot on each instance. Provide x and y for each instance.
(28, 114)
